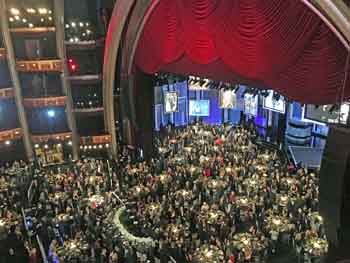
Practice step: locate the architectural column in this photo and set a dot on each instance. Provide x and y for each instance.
(11, 59)
(61, 53)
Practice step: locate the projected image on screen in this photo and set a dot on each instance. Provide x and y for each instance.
(273, 104)
(199, 108)
(171, 102)
(325, 115)
(227, 99)
(251, 104)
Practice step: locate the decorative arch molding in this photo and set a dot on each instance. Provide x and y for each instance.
(335, 14)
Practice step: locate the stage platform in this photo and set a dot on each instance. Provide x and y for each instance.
(309, 157)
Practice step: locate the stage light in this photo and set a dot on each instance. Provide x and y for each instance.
(88, 32)
(14, 11)
(30, 25)
(59, 145)
(46, 146)
(73, 24)
(31, 10)
(50, 12)
(70, 143)
(24, 20)
(7, 142)
(51, 113)
(50, 18)
(36, 146)
(71, 39)
(87, 24)
(42, 19)
(42, 11)
(76, 39)
(107, 145)
(81, 24)
(11, 19)
(67, 26)
(17, 17)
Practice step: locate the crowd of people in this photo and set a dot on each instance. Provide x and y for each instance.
(210, 194)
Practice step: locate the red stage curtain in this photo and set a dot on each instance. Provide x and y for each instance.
(280, 44)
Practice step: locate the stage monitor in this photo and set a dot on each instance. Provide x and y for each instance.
(171, 102)
(200, 108)
(322, 114)
(227, 99)
(273, 104)
(251, 104)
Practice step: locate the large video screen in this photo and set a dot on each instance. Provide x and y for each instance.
(251, 104)
(227, 99)
(271, 103)
(171, 102)
(322, 114)
(199, 108)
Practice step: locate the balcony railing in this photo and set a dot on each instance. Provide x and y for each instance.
(6, 93)
(45, 102)
(54, 65)
(10, 135)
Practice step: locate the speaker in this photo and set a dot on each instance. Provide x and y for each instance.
(334, 175)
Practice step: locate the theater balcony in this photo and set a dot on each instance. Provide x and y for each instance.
(30, 20)
(41, 85)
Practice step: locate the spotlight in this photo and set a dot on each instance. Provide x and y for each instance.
(42, 20)
(24, 20)
(42, 11)
(67, 26)
(17, 17)
(11, 19)
(46, 146)
(107, 145)
(30, 25)
(7, 142)
(14, 11)
(70, 143)
(81, 24)
(51, 113)
(36, 146)
(73, 24)
(31, 10)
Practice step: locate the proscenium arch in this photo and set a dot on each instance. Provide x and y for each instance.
(336, 15)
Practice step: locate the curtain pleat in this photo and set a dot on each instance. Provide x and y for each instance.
(279, 43)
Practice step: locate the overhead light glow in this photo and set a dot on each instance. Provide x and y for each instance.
(7, 142)
(42, 11)
(51, 113)
(31, 10)
(14, 11)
